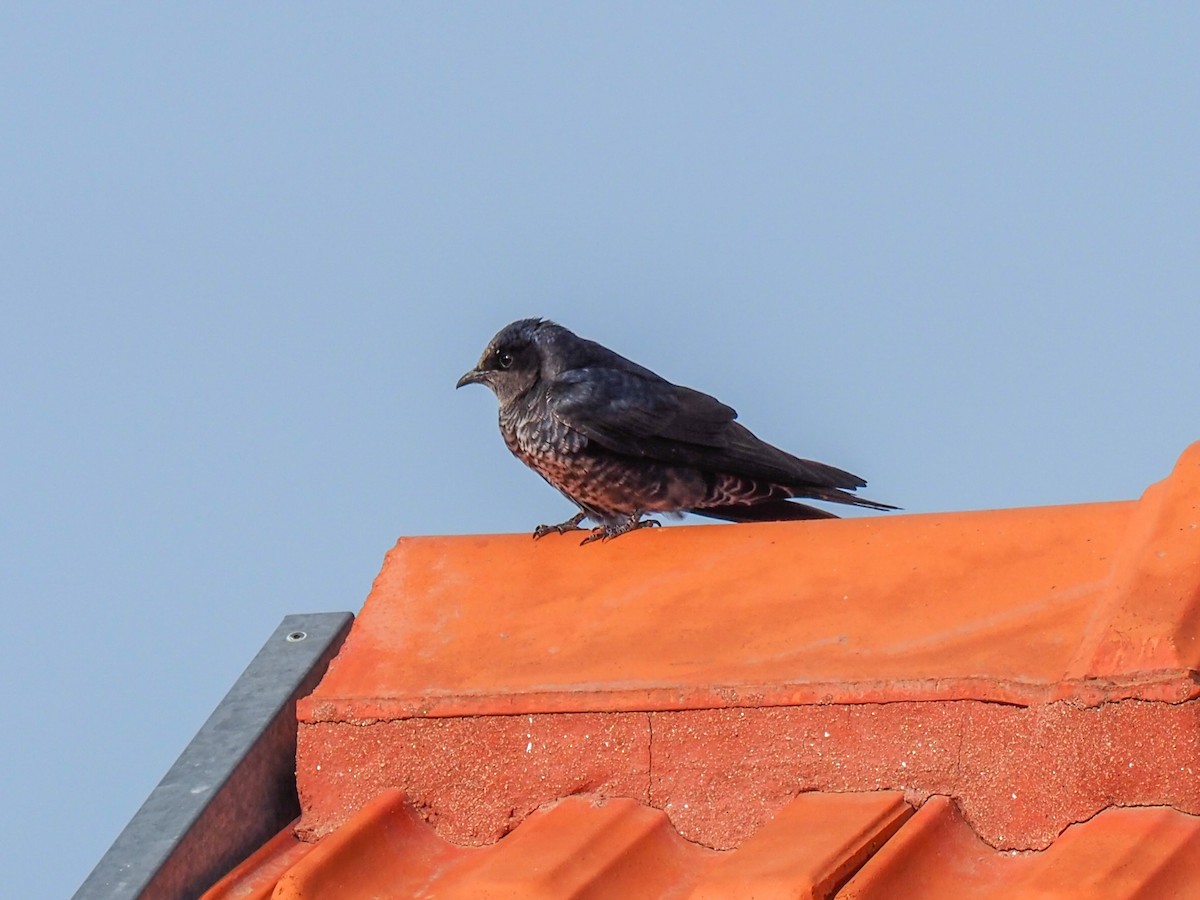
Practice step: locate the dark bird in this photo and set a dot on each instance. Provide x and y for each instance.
(619, 441)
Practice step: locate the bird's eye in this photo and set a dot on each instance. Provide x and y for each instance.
(504, 359)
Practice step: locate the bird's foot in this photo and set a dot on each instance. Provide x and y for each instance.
(572, 524)
(608, 532)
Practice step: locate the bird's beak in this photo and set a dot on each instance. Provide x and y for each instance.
(472, 377)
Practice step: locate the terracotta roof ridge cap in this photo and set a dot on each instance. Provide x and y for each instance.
(1153, 595)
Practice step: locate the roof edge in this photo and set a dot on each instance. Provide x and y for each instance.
(234, 785)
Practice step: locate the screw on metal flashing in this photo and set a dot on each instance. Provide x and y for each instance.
(296, 636)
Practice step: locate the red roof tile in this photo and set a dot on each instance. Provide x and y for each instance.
(714, 671)
(848, 846)
(1094, 602)
(583, 847)
(1121, 854)
(1037, 666)
(255, 879)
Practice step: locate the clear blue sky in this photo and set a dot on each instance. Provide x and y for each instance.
(246, 251)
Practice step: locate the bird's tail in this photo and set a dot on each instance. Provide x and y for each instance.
(780, 510)
(769, 511)
(833, 495)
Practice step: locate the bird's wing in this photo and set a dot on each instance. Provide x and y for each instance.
(636, 413)
(629, 412)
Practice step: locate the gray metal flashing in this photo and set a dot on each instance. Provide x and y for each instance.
(234, 785)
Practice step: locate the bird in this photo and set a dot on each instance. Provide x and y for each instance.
(621, 442)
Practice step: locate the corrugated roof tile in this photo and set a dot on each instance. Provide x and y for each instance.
(1121, 854)
(848, 846)
(256, 877)
(579, 847)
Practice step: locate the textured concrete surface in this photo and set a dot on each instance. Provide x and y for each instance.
(1020, 775)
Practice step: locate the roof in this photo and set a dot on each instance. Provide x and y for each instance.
(869, 846)
(1036, 665)
(979, 704)
(232, 787)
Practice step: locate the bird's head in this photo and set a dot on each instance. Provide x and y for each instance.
(512, 361)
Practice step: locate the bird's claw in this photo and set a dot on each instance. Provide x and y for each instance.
(608, 532)
(572, 524)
